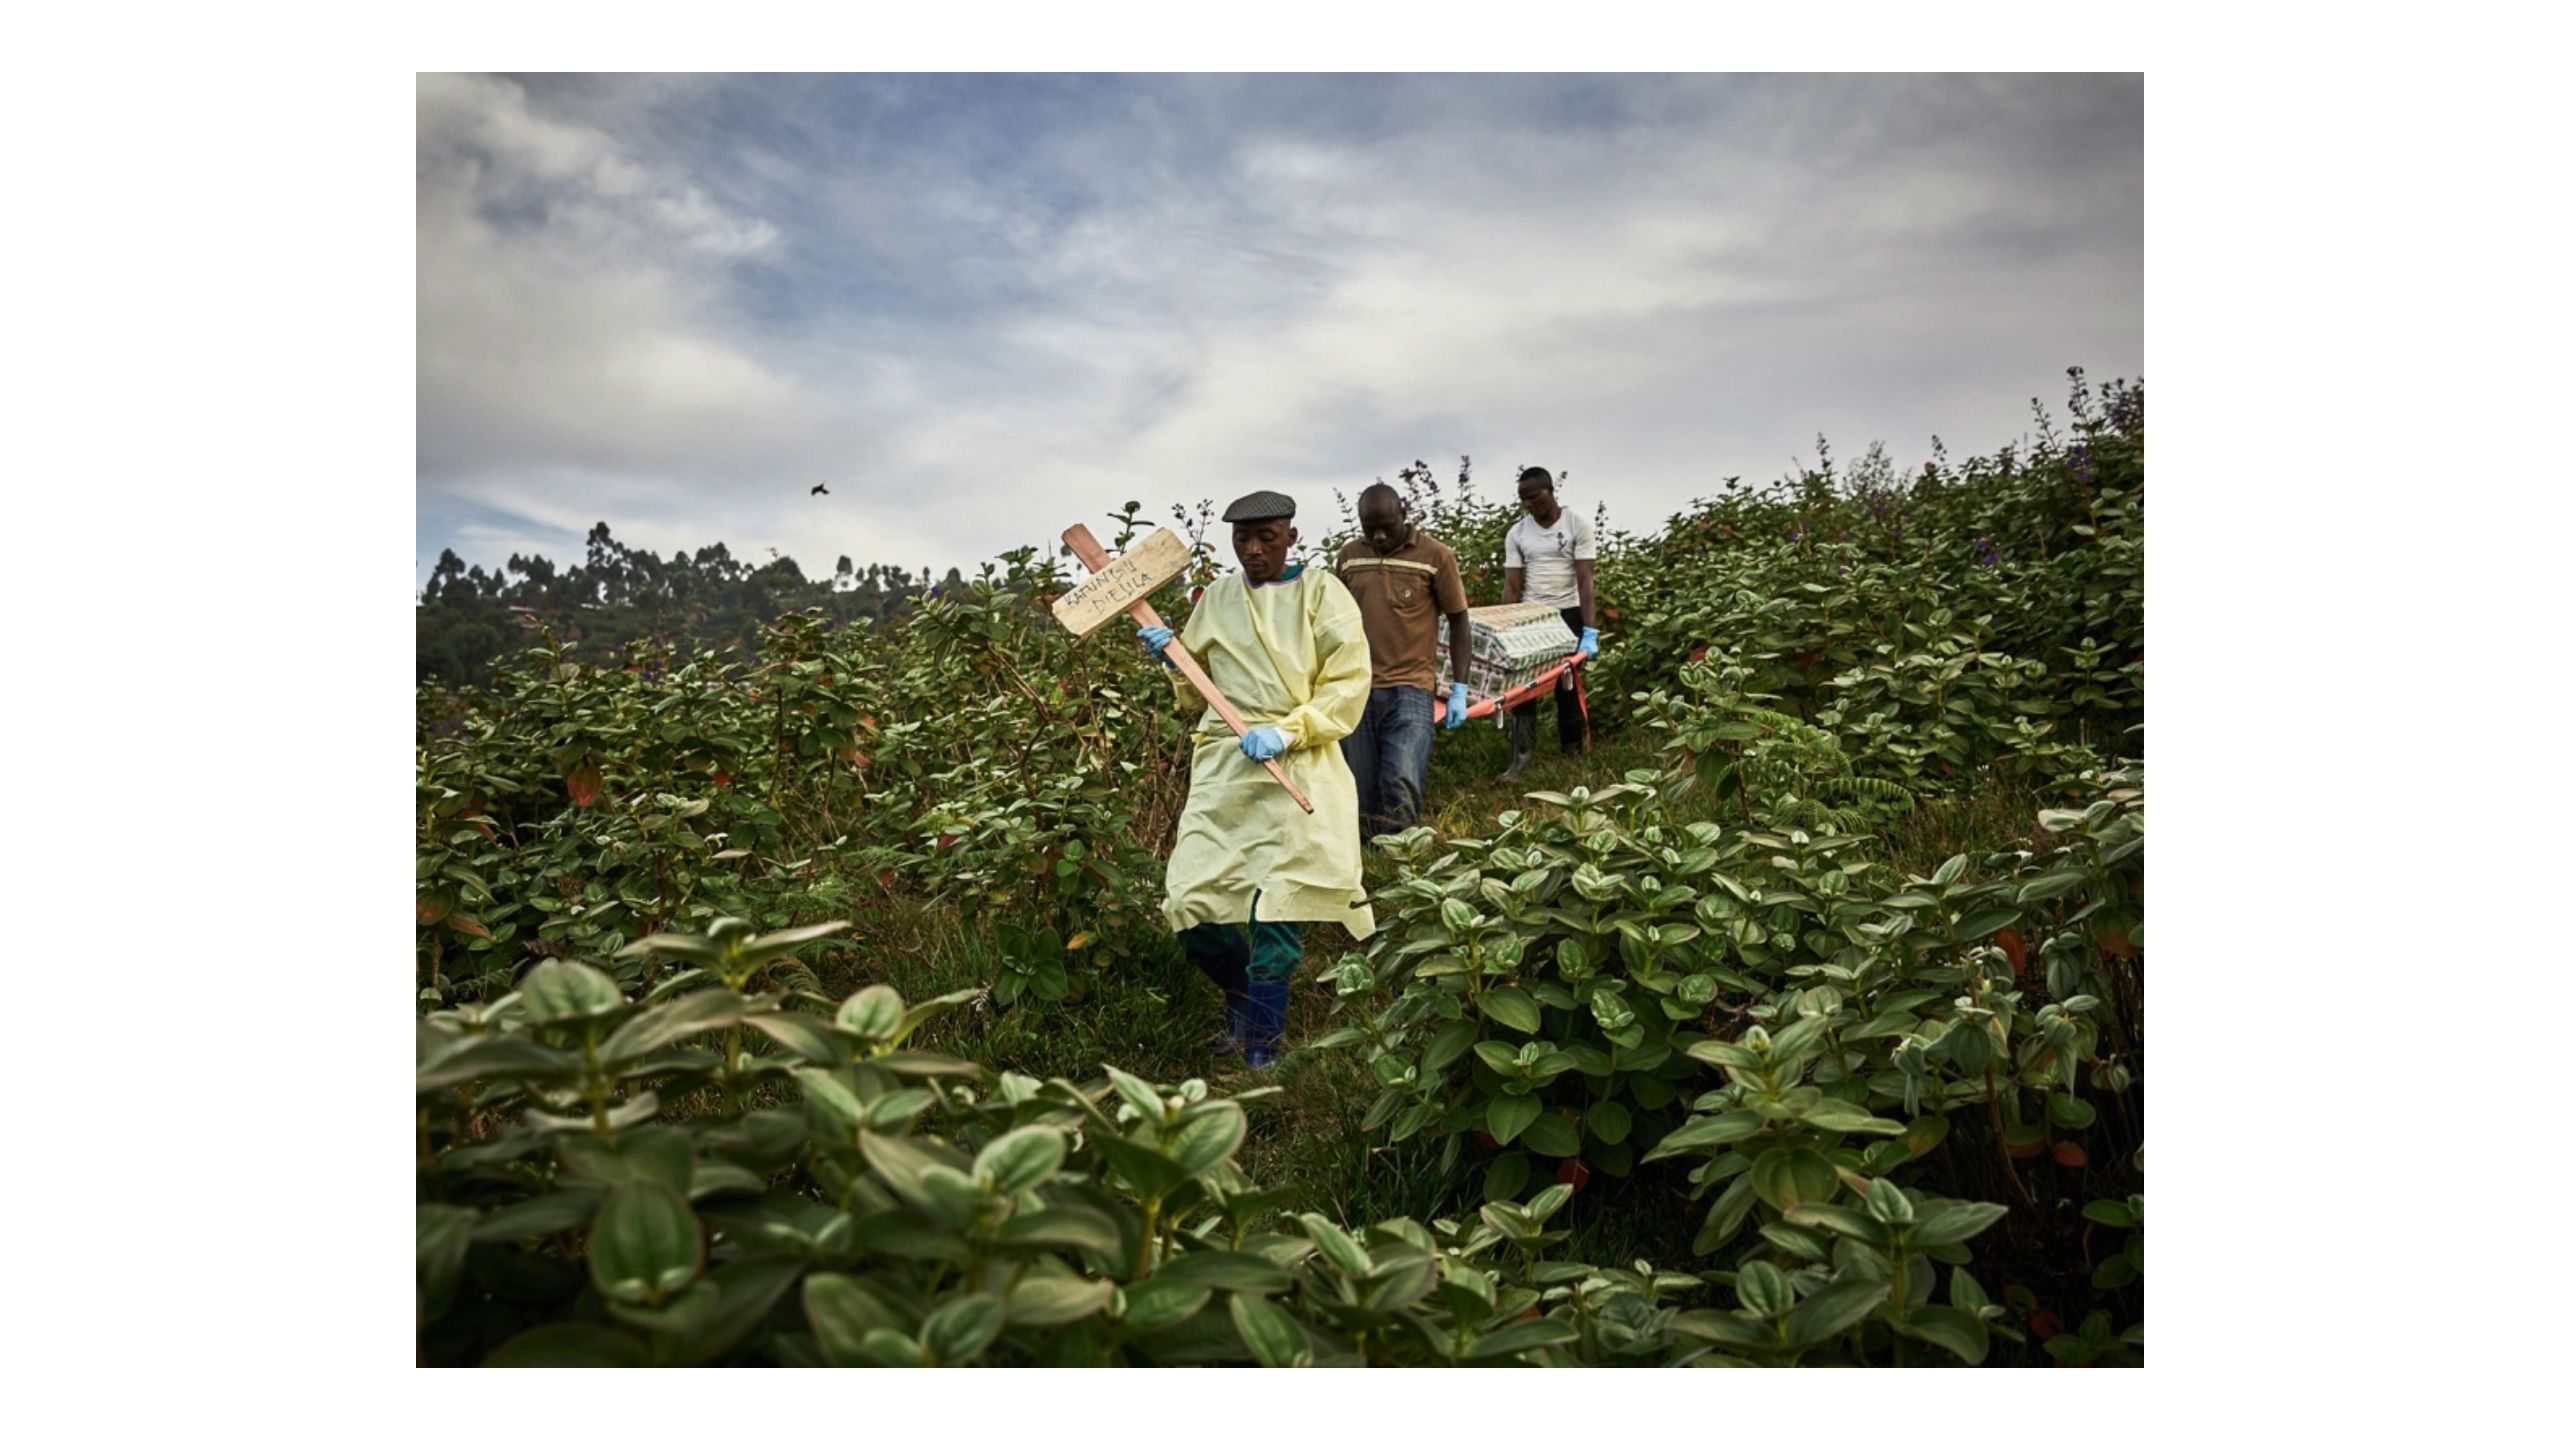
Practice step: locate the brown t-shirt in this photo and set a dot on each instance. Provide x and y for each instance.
(1402, 597)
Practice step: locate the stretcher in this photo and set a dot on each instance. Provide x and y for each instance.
(1537, 687)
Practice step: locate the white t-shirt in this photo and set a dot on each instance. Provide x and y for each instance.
(1545, 559)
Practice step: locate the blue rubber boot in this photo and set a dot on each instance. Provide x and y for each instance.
(1266, 1011)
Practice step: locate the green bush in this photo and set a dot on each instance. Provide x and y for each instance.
(716, 1171)
(1707, 995)
(1775, 1009)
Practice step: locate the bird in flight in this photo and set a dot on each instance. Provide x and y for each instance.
(819, 489)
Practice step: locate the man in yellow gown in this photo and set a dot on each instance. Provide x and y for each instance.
(1286, 646)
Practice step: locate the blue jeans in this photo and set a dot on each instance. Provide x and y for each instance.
(1389, 754)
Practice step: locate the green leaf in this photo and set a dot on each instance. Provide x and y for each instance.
(495, 1060)
(842, 1311)
(1804, 1245)
(559, 991)
(1985, 922)
(2050, 884)
(1506, 1177)
(1274, 1338)
(1550, 1135)
(920, 1065)
(901, 1165)
(1512, 1006)
(1840, 1220)
(1763, 1289)
(691, 949)
(950, 1197)
(1834, 1308)
(1793, 1176)
(1020, 1159)
(687, 1309)
(892, 1349)
(1452, 1041)
(1719, 1327)
(1954, 1222)
(646, 1244)
(663, 1025)
(1207, 1135)
(1725, 1053)
(1527, 1335)
(1069, 1226)
(872, 1013)
(897, 1108)
(1949, 1329)
(1887, 1203)
(924, 1010)
(564, 1209)
(1707, 1131)
(1141, 1095)
(1157, 1303)
(2110, 1212)
(1608, 1122)
(956, 1333)
(1843, 1117)
(765, 946)
(799, 1034)
(829, 1093)
(748, 1289)
(559, 1347)
(1400, 1282)
(1344, 1252)
(1150, 1174)
(444, 1240)
(1965, 1292)
(1508, 1115)
(1239, 1270)
(1044, 1301)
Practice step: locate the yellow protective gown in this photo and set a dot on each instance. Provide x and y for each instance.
(1291, 654)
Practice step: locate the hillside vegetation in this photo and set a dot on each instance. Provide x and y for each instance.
(808, 1003)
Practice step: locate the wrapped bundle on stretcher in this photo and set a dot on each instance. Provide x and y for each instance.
(1513, 644)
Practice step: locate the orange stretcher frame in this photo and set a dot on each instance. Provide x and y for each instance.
(1509, 699)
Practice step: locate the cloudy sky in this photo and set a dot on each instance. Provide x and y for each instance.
(981, 308)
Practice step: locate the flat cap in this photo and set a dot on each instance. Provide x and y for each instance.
(1261, 505)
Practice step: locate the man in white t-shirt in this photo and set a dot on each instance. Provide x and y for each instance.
(1547, 560)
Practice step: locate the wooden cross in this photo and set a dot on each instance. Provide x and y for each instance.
(1121, 587)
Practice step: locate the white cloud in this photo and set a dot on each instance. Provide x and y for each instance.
(673, 306)
(563, 294)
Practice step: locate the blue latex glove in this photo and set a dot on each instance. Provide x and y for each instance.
(1264, 742)
(1457, 706)
(1157, 638)
(1590, 640)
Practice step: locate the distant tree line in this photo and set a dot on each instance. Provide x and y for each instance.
(468, 617)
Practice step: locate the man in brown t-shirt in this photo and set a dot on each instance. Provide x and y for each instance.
(1404, 582)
